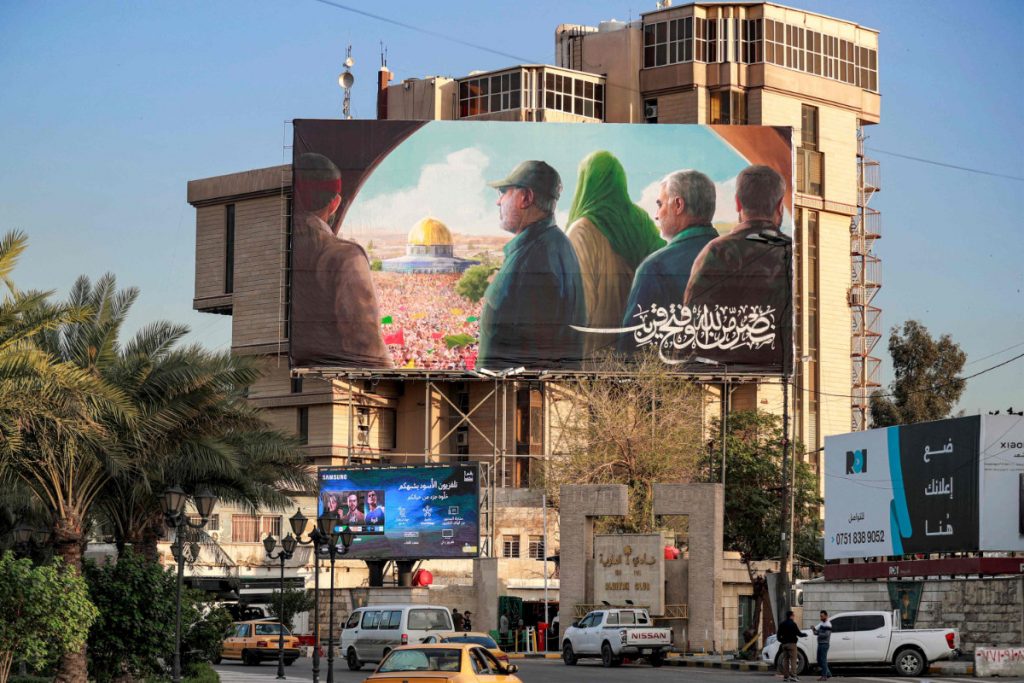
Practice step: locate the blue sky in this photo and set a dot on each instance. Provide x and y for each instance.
(109, 108)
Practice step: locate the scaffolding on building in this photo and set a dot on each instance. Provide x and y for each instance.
(866, 280)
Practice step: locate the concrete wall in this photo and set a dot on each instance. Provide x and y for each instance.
(988, 612)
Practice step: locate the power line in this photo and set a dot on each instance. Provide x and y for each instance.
(420, 29)
(995, 353)
(945, 165)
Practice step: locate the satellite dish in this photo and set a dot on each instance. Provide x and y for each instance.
(349, 62)
(346, 79)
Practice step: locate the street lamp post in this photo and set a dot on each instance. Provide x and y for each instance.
(174, 516)
(298, 522)
(288, 544)
(329, 526)
(774, 238)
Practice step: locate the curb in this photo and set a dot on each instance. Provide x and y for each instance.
(719, 664)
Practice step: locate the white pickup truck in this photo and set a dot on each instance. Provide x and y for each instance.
(874, 639)
(613, 634)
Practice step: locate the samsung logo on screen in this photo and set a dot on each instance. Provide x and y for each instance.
(857, 461)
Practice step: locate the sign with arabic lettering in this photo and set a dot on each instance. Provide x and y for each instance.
(398, 513)
(630, 567)
(945, 486)
(460, 246)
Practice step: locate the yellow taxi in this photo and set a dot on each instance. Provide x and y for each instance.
(252, 642)
(443, 663)
(475, 637)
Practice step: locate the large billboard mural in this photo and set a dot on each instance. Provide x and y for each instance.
(461, 246)
(945, 486)
(398, 513)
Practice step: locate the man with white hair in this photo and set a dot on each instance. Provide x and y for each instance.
(686, 205)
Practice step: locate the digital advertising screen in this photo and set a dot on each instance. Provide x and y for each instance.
(398, 513)
(461, 246)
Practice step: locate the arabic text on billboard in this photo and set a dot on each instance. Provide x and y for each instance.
(406, 512)
(470, 245)
(944, 486)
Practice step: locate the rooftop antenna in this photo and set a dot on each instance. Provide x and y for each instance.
(383, 55)
(345, 80)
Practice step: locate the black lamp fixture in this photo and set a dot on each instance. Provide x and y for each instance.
(173, 504)
(329, 526)
(288, 544)
(299, 522)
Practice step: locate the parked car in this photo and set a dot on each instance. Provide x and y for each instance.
(370, 633)
(613, 634)
(251, 642)
(872, 639)
(448, 662)
(482, 639)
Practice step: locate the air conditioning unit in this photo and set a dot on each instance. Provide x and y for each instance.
(650, 111)
(215, 536)
(362, 438)
(363, 418)
(462, 438)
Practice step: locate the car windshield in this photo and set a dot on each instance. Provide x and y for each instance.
(476, 640)
(269, 630)
(422, 660)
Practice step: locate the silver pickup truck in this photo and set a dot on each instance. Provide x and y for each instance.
(614, 634)
(874, 639)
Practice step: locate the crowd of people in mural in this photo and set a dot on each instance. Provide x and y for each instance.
(425, 323)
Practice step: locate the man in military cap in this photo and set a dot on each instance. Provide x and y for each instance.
(537, 295)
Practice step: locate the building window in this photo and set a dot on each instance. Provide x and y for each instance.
(810, 163)
(229, 249)
(728, 107)
(562, 92)
(751, 51)
(795, 47)
(212, 524)
(297, 385)
(668, 42)
(303, 425)
(510, 546)
(489, 94)
(254, 528)
(536, 547)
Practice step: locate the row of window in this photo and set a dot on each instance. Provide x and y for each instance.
(245, 528)
(505, 92)
(510, 547)
(694, 39)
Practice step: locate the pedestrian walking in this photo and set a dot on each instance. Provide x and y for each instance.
(457, 619)
(824, 632)
(787, 635)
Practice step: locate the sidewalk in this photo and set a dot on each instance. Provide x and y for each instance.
(945, 668)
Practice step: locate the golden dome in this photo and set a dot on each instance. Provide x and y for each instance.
(430, 232)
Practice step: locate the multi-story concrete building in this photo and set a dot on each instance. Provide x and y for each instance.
(731, 63)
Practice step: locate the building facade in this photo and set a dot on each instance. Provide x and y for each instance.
(733, 63)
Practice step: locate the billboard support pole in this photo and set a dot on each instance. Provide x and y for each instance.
(544, 504)
(426, 422)
(350, 422)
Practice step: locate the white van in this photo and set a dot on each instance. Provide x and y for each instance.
(372, 632)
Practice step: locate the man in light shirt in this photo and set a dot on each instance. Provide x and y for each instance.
(824, 632)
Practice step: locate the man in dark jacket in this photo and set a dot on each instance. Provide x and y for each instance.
(787, 636)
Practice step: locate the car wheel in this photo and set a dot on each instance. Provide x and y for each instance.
(353, 660)
(289, 661)
(216, 660)
(657, 659)
(249, 659)
(801, 663)
(607, 656)
(909, 662)
(568, 656)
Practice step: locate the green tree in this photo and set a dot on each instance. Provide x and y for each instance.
(134, 634)
(285, 606)
(376, 264)
(635, 425)
(46, 612)
(926, 385)
(474, 281)
(753, 488)
(203, 639)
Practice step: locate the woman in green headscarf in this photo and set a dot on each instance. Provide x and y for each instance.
(611, 236)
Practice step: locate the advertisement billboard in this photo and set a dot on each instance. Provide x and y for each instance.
(945, 486)
(460, 246)
(398, 513)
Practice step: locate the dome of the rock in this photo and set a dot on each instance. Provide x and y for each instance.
(429, 232)
(430, 248)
